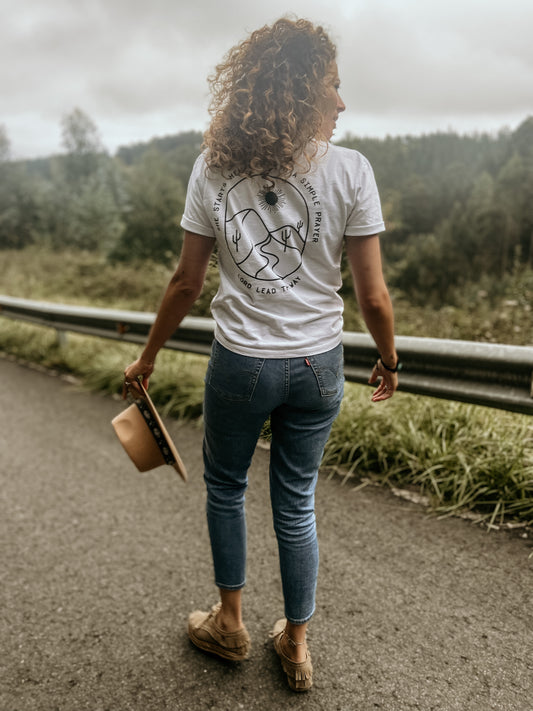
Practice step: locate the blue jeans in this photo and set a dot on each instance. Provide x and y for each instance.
(302, 396)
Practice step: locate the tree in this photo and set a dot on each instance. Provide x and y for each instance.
(485, 217)
(85, 196)
(522, 138)
(515, 188)
(20, 200)
(155, 201)
(4, 144)
(83, 145)
(418, 206)
(21, 206)
(87, 215)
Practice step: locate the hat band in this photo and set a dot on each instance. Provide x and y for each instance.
(155, 430)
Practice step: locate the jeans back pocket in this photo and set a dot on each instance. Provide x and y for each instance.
(231, 375)
(329, 371)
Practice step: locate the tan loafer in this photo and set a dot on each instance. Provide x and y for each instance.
(204, 632)
(299, 674)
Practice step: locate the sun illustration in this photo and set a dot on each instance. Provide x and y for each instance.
(271, 198)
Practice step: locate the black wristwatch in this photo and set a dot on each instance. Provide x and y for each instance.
(396, 368)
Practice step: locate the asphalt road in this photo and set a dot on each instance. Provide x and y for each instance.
(101, 565)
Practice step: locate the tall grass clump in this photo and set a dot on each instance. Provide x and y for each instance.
(462, 457)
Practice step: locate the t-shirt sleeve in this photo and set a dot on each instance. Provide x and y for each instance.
(365, 217)
(195, 218)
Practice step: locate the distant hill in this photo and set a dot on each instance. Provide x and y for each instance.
(165, 144)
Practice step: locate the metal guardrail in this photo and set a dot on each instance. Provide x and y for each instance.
(492, 375)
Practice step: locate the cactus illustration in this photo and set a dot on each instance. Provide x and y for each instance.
(235, 239)
(285, 236)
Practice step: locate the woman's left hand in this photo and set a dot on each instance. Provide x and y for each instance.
(139, 368)
(387, 385)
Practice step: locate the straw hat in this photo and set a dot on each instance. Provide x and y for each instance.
(143, 434)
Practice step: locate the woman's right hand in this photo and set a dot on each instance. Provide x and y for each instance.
(139, 368)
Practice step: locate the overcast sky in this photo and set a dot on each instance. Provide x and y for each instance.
(138, 68)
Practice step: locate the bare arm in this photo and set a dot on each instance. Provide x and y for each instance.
(183, 290)
(364, 256)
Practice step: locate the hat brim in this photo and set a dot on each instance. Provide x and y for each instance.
(139, 442)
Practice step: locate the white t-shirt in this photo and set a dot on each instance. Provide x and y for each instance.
(279, 250)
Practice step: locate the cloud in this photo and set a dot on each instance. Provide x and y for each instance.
(437, 63)
(139, 69)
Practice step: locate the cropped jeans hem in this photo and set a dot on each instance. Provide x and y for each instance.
(230, 587)
(300, 622)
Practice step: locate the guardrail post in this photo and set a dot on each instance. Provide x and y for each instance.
(61, 338)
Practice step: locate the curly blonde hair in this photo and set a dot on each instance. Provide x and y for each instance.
(267, 96)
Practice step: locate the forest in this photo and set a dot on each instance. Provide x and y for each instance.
(458, 208)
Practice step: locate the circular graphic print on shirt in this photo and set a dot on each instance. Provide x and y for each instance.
(263, 241)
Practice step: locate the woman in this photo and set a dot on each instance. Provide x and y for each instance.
(280, 203)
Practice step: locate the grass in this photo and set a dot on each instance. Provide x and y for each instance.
(460, 457)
